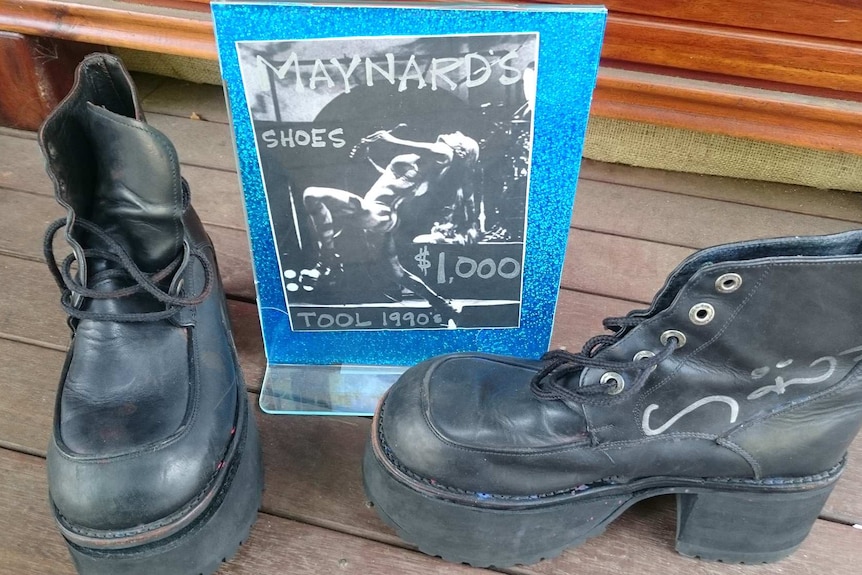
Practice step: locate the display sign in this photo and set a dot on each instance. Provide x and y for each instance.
(409, 173)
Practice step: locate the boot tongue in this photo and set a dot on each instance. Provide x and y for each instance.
(138, 196)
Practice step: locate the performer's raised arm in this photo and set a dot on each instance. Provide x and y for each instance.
(440, 149)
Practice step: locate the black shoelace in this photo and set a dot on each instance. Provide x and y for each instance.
(559, 364)
(70, 286)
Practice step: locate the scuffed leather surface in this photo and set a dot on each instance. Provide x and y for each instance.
(499, 458)
(470, 423)
(125, 471)
(494, 411)
(116, 398)
(145, 411)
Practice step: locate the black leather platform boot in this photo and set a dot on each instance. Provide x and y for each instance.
(154, 466)
(739, 391)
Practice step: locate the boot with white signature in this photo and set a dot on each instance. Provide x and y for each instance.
(739, 390)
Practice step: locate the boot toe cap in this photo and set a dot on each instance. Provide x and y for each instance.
(470, 422)
(121, 492)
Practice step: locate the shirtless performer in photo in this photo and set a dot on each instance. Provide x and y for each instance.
(419, 170)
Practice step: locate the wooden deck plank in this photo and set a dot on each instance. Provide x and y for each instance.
(215, 193)
(639, 542)
(642, 542)
(690, 221)
(182, 99)
(786, 197)
(618, 267)
(579, 317)
(597, 263)
(48, 325)
(594, 261)
(313, 463)
(600, 206)
(28, 386)
(189, 135)
(34, 546)
(29, 541)
(29, 214)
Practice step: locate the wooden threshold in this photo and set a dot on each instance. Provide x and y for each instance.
(112, 23)
(680, 51)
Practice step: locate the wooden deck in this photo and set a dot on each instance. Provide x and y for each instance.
(631, 227)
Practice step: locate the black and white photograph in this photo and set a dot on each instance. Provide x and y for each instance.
(396, 173)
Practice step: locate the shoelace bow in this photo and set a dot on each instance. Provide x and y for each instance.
(558, 364)
(71, 286)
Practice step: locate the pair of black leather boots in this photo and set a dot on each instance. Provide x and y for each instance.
(739, 390)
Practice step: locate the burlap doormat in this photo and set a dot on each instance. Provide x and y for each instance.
(631, 143)
(191, 69)
(649, 146)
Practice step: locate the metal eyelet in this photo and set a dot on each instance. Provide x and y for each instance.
(645, 354)
(728, 283)
(701, 313)
(616, 380)
(672, 333)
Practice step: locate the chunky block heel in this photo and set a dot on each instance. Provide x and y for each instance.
(745, 527)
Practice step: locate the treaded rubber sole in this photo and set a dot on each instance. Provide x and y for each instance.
(201, 547)
(738, 524)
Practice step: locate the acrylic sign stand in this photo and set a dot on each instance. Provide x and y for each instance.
(409, 173)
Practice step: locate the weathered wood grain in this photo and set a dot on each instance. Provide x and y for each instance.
(589, 264)
(642, 541)
(690, 221)
(186, 98)
(312, 463)
(313, 475)
(215, 193)
(823, 18)
(579, 317)
(206, 144)
(29, 542)
(618, 267)
(29, 214)
(28, 380)
(276, 545)
(25, 217)
(38, 316)
(717, 211)
(36, 73)
(785, 197)
(596, 263)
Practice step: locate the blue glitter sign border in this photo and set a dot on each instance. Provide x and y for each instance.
(569, 47)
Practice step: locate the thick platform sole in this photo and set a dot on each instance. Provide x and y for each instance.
(738, 523)
(201, 547)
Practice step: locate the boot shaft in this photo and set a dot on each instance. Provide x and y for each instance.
(111, 168)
